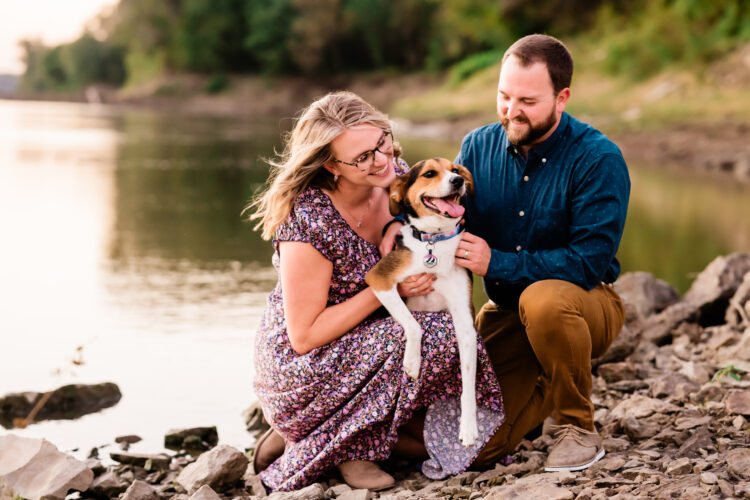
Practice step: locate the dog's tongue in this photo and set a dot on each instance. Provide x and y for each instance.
(453, 209)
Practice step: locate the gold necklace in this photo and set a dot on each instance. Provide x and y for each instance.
(367, 211)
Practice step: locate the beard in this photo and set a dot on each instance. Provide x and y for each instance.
(531, 132)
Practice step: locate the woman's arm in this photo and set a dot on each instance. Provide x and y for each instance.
(305, 280)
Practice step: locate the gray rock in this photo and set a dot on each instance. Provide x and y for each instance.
(140, 490)
(356, 495)
(35, 468)
(615, 372)
(700, 439)
(648, 294)
(312, 492)
(108, 485)
(255, 485)
(680, 467)
(658, 328)
(255, 422)
(222, 466)
(156, 461)
(672, 385)
(720, 279)
(67, 402)
(639, 428)
(738, 462)
(194, 438)
(738, 402)
(205, 492)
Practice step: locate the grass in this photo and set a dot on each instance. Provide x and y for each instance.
(614, 103)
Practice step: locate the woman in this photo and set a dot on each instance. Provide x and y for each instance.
(329, 373)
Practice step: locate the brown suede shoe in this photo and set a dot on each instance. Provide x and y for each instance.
(360, 474)
(575, 449)
(269, 447)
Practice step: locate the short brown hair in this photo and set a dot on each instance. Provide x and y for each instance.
(547, 50)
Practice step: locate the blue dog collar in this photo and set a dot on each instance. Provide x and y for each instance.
(435, 237)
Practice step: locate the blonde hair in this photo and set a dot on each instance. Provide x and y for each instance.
(306, 150)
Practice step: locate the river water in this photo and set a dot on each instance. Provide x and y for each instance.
(124, 258)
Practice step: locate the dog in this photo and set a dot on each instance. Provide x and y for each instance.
(430, 197)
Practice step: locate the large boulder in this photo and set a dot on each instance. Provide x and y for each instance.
(738, 312)
(646, 293)
(35, 468)
(67, 402)
(714, 286)
(220, 467)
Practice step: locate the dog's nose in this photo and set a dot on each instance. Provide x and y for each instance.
(457, 181)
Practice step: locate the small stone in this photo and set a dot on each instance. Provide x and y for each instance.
(738, 402)
(313, 492)
(689, 423)
(140, 490)
(223, 465)
(709, 478)
(356, 495)
(739, 422)
(338, 490)
(205, 492)
(159, 461)
(679, 467)
(738, 461)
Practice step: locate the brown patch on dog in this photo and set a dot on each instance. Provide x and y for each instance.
(468, 179)
(431, 172)
(385, 274)
(397, 194)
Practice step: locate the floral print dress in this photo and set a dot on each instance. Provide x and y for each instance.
(347, 399)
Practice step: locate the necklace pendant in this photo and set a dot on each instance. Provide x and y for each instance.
(429, 260)
(359, 224)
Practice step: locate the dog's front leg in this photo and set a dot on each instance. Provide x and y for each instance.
(466, 336)
(413, 332)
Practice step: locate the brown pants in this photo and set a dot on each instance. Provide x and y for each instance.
(542, 356)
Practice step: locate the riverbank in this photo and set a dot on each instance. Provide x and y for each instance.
(671, 399)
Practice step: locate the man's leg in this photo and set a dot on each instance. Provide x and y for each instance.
(543, 358)
(525, 394)
(567, 326)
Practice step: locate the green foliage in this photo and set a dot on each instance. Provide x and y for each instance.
(729, 371)
(148, 38)
(216, 84)
(666, 32)
(472, 64)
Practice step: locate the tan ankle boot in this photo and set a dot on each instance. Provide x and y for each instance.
(365, 475)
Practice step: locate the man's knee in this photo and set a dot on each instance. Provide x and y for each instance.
(544, 305)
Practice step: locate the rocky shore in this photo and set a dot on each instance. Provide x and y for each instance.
(671, 396)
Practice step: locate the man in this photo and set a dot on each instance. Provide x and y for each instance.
(543, 228)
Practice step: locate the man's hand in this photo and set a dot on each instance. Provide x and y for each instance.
(389, 238)
(473, 253)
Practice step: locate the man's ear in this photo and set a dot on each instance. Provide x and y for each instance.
(468, 179)
(397, 196)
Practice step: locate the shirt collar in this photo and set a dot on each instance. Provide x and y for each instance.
(543, 149)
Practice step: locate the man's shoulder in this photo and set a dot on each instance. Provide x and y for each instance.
(591, 138)
(491, 130)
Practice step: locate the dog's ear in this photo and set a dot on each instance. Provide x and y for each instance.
(468, 179)
(397, 195)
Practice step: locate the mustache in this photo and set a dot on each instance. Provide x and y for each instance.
(505, 120)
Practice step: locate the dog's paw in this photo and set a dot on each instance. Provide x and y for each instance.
(412, 361)
(468, 432)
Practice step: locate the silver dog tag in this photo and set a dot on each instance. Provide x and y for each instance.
(429, 260)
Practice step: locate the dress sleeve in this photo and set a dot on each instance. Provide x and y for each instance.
(309, 222)
(401, 167)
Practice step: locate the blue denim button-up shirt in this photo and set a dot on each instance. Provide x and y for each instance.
(559, 214)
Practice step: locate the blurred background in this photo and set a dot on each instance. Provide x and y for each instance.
(132, 134)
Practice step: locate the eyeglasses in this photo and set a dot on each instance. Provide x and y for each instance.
(367, 159)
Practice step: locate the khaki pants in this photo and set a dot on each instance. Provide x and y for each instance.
(542, 356)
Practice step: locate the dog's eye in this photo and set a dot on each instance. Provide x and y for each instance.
(455, 171)
(429, 173)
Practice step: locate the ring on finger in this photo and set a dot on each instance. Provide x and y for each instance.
(466, 254)
(413, 290)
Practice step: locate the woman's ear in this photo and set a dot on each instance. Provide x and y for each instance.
(331, 167)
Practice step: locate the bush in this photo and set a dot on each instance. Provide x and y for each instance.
(473, 64)
(216, 84)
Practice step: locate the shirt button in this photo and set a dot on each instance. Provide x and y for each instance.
(515, 150)
(518, 248)
(525, 178)
(544, 160)
(521, 213)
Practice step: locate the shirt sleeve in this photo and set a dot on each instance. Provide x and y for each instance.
(599, 202)
(308, 222)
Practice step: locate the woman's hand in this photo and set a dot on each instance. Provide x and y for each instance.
(389, 238)
(418, 284)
